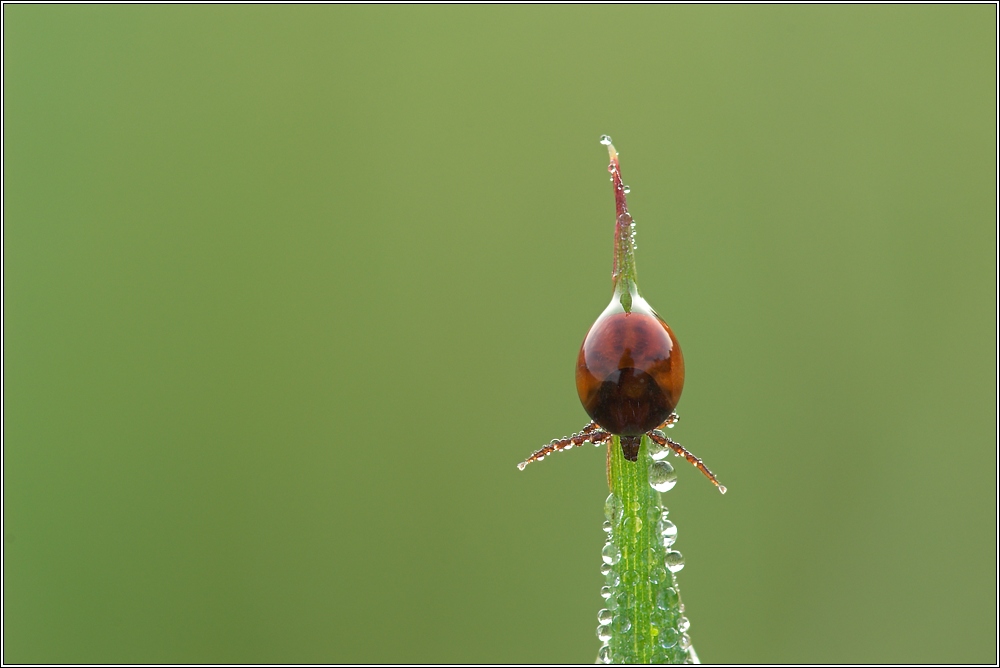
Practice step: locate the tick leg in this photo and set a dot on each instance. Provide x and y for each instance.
(671, 420)
(660, 438)
(592, 432)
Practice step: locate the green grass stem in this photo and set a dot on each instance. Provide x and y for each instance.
(643, 621)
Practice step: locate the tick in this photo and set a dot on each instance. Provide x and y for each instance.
(630, 370)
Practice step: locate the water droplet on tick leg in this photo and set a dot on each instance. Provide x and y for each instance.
(605, 140)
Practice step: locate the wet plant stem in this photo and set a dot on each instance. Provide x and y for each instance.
(645, 616)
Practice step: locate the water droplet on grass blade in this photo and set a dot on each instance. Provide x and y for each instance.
(669, 532)
(662, 476)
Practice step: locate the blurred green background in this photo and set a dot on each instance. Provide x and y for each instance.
(288, 292)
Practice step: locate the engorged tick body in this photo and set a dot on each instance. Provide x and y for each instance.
(630, 371)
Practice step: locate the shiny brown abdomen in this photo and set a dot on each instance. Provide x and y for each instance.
(630, 372)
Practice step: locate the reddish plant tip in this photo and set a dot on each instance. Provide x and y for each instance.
(621, 206)
(623, 266)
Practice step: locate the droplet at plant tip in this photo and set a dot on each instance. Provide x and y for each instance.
(629, 377)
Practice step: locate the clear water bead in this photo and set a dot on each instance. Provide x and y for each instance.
(683, 624)
(611, 554)
(607, 526)
(657, 451)
(669, 532)
(685, 641)
(667, 598)
(606, 592)
(669, 637)
(604, 654)
(605, 617)
(605, 140)
(622, 624)
(604, 633)
(662, 476)
(675, 561)
(627, 190)
(613, 508)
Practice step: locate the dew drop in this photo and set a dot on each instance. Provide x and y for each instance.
(629, 578)
(685, 641)
(657, 451)
(627, 190)
(667, 598)
(605, 616)
(657, 574)
(605, 569)
(662, 476)
(607, 526)
(638, 525)
(622, 624)
(669, 638)
(606, 592)
(722, 488)
(683, 624)
(613, 508)
(675, 561)
(654, 513)
(604, 633)
(605, 140)
(604, 654)
(669, 532)
(611, 554)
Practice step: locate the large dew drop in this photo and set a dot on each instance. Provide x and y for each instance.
(669, 531)
(675, 561)
(662, 476)
(613, 508)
